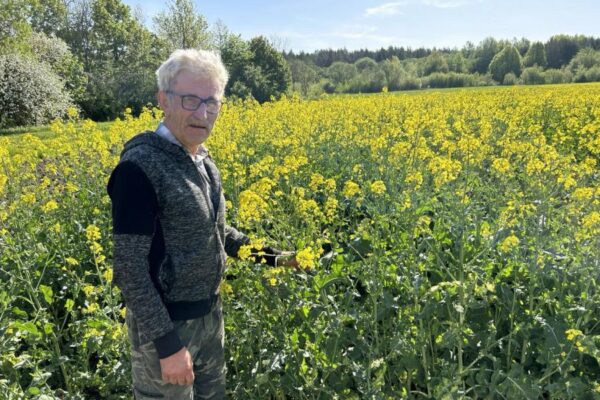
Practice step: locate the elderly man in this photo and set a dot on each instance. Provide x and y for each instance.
(171, 240)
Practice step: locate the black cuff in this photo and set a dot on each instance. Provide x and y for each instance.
(167, 345)
(269, 256)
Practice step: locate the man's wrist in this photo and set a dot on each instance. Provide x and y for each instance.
(168, 344)
(284, 259)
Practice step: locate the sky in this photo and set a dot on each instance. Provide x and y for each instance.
(308, 25)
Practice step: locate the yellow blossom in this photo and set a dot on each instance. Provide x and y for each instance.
(501, 165)
(307, 257)
(226, 288)
(108, 275)
(572, 334)
(252, 206)
(88, 290)
(71, 261)
(316, 180)
(71, 187)
(92, 232)
(351, 189)
(378, 187)
(28, 198)
(49, 206)
(93, 307)
(331, 208)
(509, 243)
(245, 252)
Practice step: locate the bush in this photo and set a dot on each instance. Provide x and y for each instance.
(410, 82)
(450, 79)
(533, 76)
(55, 52)
(557, 76)
(30, 93)
(485, 80)
(368, 81)
(316, 89)
(510, 79)
(593, 74)
(584, 60)
(326, 86)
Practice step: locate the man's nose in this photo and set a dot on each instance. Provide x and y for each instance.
(201, 111)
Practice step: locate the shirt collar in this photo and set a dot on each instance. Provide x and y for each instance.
(165, 133)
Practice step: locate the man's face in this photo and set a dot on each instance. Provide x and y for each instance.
(191, 128)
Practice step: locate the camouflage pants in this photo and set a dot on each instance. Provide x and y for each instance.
(203, 338)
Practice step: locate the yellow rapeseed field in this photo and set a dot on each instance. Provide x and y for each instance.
(449, 244)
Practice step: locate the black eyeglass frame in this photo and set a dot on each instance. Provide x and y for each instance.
(213, 106)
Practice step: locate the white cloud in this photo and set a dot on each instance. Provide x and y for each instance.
(352, 37)
(395, 8)
(387, 8)
(445, 3)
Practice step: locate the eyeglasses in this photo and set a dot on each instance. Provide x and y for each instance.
(192, 103)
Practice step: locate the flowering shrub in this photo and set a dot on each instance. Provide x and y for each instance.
(30, 92)
(448, 244)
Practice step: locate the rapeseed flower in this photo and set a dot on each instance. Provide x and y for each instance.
(378, 187)
(351, 189)
(509, 243)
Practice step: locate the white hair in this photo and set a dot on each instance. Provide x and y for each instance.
(202, 62)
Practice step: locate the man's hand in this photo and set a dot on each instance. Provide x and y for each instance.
(177, 369)
(286, 259)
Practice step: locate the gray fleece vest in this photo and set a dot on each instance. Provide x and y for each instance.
(170, 238)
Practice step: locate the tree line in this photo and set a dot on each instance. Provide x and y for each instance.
(561, 59)
(94, 58)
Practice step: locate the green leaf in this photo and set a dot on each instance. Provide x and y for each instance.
(47, 292)
(69, 304)
(28, 327)
(18, 312)
(34, 391)
(48, 328)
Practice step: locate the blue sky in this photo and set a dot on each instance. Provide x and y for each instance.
(319, 24)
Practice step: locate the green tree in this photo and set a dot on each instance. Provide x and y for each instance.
(536, 55)
(219, 35)
(14, 27)
(340, 73)
(508, 60)
(135, 76)
(457, 62)
(303, 75)
(585, 59)
(365, 64)
(393, 72)
(56, 53)
(275, 75)
(370, 77)
(78, 33)
(483, 55)
(236, 55)
(435, 62)
(121, 56)
(182, 26)
(49, 16)
(560, 49)
(522, 45)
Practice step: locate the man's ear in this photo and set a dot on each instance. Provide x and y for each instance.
(163, 102)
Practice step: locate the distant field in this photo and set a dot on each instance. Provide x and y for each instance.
(449, 241)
